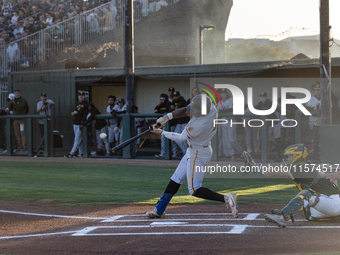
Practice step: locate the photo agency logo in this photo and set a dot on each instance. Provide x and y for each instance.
(238, 108)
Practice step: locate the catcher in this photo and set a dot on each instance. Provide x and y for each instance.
(198, 133)
(318, 197)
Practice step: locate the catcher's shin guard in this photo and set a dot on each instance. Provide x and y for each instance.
(296, 204)
(163, 203)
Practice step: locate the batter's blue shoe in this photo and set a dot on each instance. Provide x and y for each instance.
(153, 214)
(231, 202)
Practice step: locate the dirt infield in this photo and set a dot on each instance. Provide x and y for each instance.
(186, 229)
(123, 229)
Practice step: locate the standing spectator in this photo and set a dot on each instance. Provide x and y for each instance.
(314, 104)
(13, 55)
(78, 114)
(120, 108)
(110, 109)
(251, 133)
(93, 26)
(14, 18)
(100, 126)
(17, 29)
(44, 107)
(287, 133)
(172, 122)
(163, 106)
(177, 103)
(19, 106)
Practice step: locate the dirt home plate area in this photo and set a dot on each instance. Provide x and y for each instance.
(28, 228)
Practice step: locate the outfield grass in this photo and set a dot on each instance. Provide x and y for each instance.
(91, 184)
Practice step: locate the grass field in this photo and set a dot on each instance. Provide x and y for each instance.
(91, 184)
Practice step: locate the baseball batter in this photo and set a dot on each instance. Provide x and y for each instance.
(198, 133)
(319, 198)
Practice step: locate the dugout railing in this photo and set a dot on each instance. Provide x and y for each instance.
(127, 120)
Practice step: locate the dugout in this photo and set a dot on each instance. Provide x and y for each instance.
(62, 85)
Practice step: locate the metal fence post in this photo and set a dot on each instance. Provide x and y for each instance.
(126, 134)
(9, 137)
(29, 134)
(85, 143)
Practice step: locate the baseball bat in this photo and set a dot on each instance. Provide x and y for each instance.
(131, 140)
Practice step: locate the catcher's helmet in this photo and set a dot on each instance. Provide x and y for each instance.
(195, 106)
(120, 100)
(298, 151)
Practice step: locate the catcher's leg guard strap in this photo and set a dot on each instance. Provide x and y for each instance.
(206, 193)
(296, 204)
(172, 187)
(163, 203)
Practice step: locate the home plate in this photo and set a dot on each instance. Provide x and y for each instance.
(164, 224)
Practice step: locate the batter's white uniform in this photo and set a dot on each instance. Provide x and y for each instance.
(198, 133)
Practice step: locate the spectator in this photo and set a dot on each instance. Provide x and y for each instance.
(163, 106)
(70, 10)
(194, 92)
(100, 127)
(18, 6)
(7, 9)
(110, 109)
(45, 6)
(56, 15)
(57, 40)
(31, 24)
(3, 23)
(34, 13)
(251, 133)
(172, 122)
(2, 41)
(19, 106)
(93, 26)
(13, 55)
(5, 37)
(44, 107)
(14, 18)
(78, 114)
(21, 15)
(36, 27)
(106, 21)
(49, 19)
(9, 32)
(17, 29)
(42, 21)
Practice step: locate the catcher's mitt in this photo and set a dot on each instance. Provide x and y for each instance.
(249, 161)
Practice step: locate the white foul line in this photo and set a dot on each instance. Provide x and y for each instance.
(37, 235)
(53, 215)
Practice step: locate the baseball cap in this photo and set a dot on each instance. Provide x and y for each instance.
(223, 90)
(163, 96)
(81, 93)
(43, 94)
(317, 86)
(263, 94)
(177, 94)
(171, 89)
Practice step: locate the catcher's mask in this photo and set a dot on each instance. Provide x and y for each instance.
(296, 153)
(195, 106)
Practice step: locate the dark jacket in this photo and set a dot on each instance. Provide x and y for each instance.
(100, 123)
(20, 107)
(265, 106)
(81, 108)
(179, 104)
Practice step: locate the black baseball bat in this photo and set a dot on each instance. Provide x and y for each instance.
(131, 140)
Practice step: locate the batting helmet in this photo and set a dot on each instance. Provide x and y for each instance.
(195, 106)
(299, 153)
(120, 100)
